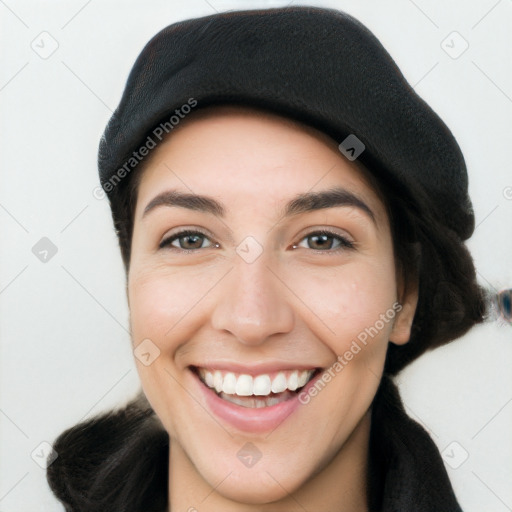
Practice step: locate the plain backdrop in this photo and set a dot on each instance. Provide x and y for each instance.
(65, 350)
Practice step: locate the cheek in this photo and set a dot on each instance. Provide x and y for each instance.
(162, 299)
(162, 304)
(153, 307)
(349, 302)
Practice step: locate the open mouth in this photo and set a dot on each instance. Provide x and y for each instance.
(256, 391)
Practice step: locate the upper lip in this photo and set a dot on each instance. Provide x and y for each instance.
(253, 369)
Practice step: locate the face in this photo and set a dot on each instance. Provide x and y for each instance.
(262, 274)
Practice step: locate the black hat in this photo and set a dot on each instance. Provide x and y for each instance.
(319, 66)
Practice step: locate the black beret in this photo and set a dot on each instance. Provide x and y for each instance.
(319, 66)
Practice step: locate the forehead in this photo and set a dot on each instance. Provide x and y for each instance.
(240, 153)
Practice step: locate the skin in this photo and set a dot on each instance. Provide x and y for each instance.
(299, 302)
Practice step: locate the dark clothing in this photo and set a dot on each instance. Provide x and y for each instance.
(407, 473)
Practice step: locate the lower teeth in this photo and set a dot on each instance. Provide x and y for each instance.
(257, 402)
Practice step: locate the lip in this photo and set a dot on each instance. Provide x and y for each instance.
(253, 420)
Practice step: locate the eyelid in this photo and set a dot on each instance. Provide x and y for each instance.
(329, 230)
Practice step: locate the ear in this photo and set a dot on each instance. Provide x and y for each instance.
(401, 331)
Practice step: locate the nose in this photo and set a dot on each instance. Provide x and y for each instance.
(253, 303)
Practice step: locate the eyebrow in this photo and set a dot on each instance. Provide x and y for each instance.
(302, 203)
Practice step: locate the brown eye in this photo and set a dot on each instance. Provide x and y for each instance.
(186, 240)
(325, 241)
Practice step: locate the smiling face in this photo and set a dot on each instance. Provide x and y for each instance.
(272, 275)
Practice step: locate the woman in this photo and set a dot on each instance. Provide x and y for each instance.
(292, 218)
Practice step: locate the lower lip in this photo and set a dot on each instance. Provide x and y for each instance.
(249, 419)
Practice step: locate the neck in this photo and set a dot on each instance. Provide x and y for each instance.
(339, 486)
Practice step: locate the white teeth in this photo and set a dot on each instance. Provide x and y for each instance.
(244, 385)
(208, 378)
(229, 383)
(217, 381)
(303, 378)
(293, 381)
(279, 383)
(262, 385)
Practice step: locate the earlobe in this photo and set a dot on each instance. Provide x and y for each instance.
(401, 331)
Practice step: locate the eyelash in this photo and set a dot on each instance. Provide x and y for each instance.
(344, 242)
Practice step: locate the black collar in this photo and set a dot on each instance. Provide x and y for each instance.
(406, 471)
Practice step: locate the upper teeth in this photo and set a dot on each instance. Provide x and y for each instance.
(247, 385)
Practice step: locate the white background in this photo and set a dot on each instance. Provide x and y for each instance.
(65, 350)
